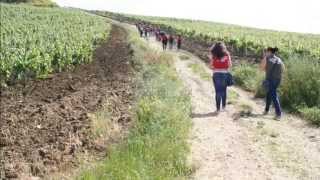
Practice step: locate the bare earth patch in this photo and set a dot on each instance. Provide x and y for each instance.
(46, 123)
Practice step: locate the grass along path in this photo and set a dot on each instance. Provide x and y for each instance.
(156, 147)
(240, 143)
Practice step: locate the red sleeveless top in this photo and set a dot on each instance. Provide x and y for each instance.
(222, 63)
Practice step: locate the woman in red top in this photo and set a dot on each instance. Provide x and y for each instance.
(220, 64)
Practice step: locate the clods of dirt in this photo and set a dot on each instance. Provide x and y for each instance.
(45, 123)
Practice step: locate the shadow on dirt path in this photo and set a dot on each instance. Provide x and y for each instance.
(45, 124)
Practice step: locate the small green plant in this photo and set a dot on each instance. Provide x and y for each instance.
(260, 91)
(232, 96)
(250, 78)
(198, 69)
(101, 123)
(312, 115)
(245, 109)
(184, 57)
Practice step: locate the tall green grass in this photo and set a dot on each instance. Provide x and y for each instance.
(300, 86)
(311, 114)
(301, 83)
(250, 78)
(156, 147)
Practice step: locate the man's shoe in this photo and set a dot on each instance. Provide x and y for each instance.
(216, 112)
(277, 118)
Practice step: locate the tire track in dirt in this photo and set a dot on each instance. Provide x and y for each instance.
(44, 124)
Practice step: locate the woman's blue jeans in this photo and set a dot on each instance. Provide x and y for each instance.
(220, 86)
(272, 96)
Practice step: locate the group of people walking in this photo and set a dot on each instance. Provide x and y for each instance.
(221, 63)
(146, 31)
(169, 39)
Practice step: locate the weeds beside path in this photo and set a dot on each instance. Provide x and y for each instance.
(156, 147)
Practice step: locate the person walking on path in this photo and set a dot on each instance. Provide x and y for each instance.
(220, 64)
(274, 67)
(171, 41)
(158, 35)
(179, 41)
(164, 40)
(145, 30)
(140, 29)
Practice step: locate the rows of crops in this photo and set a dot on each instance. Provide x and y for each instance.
(247, 41)
(38, 41)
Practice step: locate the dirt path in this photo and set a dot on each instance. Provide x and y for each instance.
(46, 123)
(232, 145)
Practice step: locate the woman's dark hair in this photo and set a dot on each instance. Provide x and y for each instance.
(273, 50)
(219, 50)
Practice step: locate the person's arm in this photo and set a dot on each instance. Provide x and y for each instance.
(263, 63)
(229, 62)
(211, 64)
(210, 56)
(210, 60)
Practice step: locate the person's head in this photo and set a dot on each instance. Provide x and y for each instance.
(271, 51)
(219, 50)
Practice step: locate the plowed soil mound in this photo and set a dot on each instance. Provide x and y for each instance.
(45, 122)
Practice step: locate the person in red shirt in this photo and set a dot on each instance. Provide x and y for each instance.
(164, 40)
(220, 64)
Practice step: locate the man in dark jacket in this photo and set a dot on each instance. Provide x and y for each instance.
(274, 67)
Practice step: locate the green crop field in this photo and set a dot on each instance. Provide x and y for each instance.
(244, 40)
(37, 41)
